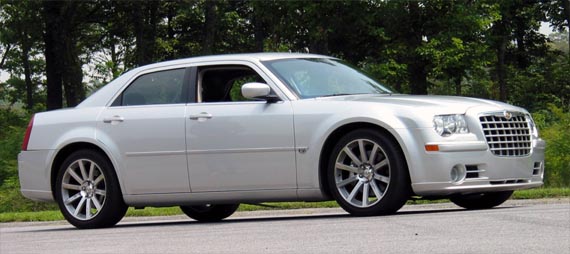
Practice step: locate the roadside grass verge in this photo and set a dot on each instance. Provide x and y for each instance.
(167, 211)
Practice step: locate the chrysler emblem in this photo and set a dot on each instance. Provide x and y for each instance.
(507, 115)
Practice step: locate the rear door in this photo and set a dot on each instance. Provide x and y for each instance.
(146, 126)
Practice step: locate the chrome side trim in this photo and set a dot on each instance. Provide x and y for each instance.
(243, 150)
(161, 153)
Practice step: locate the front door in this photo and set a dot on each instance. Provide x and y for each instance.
(236, 144)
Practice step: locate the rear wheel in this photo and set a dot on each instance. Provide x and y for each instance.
(209, 213)
(481, 200)
(368, 174)
(87, 191)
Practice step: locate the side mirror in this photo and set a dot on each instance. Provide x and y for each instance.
(255, 90)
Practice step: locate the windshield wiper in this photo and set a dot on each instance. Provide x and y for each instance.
(337, 94)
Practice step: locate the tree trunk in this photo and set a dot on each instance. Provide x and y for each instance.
(8, 48)
(319, 44)
(210, 26)
(140, 45)
(258, 30)
(416, 65)
(457, 80)
(27, 76)
(501, 51)
(145, 20)
(53, 48)
(521, 56)
(72, 74)
(418, 77)
(566, 7)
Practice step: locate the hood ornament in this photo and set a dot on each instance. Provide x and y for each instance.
(508, 115)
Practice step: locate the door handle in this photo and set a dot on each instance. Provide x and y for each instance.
(203, 115)
(113, 119)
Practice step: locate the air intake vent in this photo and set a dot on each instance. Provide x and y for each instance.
(472, 171)
(511, 181)
(507, 134)
(536, 168)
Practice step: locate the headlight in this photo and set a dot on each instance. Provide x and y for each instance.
(533, 129)
(446, 125)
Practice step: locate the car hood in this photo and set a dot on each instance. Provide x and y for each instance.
(440, 104)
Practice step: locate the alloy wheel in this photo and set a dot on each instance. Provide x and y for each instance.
(362, 173)
(83, 189)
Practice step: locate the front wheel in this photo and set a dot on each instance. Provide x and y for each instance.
(481, 200)
(87, 191)
(209, 212)
(368, 174)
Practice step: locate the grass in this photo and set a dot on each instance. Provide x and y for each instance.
(542, 193)
(167, 211)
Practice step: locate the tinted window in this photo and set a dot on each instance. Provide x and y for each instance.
(164, 87)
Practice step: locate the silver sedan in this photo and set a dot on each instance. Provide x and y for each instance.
(208, 133)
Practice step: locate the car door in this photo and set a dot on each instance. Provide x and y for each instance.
(146, 126)
(236, 144)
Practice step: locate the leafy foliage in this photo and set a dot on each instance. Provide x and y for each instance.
(555, 124)
(12, 126)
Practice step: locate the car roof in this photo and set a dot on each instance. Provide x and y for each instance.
(103, 95)
(243, 56)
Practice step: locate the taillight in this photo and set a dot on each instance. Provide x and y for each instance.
(27, 136)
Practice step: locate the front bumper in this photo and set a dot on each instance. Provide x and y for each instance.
(485, 172)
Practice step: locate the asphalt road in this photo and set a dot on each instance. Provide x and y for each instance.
(541, 226)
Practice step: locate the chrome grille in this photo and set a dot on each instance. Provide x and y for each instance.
(507, 137)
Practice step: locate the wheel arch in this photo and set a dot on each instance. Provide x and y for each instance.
(67, 150)
(335, 135)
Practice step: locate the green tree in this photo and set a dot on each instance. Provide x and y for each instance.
(22, 43)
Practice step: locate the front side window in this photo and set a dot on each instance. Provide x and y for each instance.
(318, 77)
(163, 87)
(223, 83)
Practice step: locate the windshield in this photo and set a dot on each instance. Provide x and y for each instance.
(319, 77)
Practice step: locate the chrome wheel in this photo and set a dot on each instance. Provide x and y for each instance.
(83, 189)
(362, 173)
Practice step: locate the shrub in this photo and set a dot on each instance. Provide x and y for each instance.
(554, 126)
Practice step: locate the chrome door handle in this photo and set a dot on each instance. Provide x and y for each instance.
(202, 115)
(113, 119)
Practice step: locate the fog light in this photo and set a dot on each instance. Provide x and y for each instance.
(458, 174)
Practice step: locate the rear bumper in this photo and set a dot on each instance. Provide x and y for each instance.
(34, 174)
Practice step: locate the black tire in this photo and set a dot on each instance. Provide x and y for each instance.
(481, 200)
(389, 192)
(96, 187)
(209, 213)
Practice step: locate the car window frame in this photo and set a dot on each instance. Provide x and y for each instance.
(117, 100)
(213, 64)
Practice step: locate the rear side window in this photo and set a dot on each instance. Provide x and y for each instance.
(163, 87)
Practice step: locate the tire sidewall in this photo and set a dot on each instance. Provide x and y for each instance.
(482, 200)
(398, 189)
(213, 214)
(113, 208)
